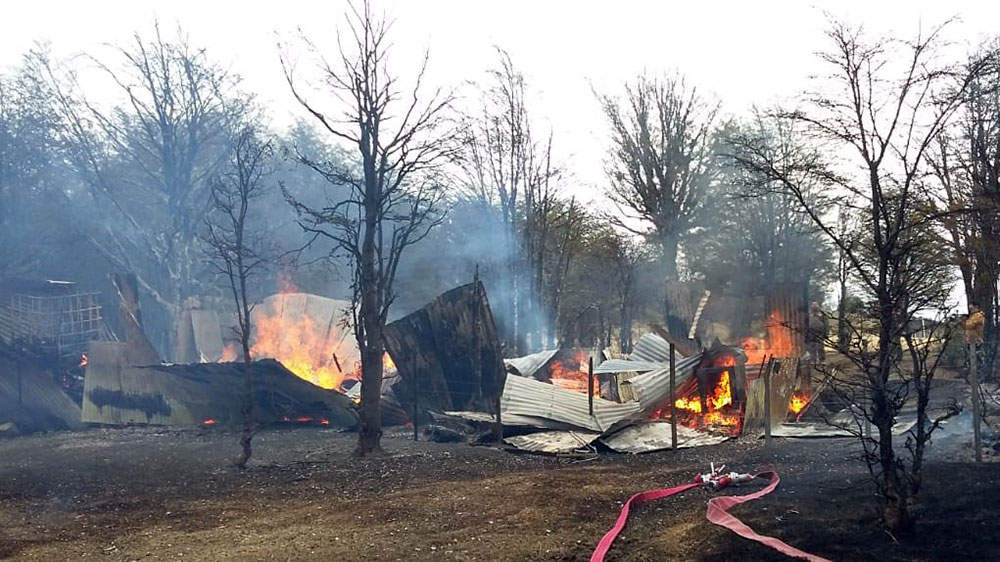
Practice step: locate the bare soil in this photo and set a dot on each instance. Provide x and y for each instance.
(143, 494)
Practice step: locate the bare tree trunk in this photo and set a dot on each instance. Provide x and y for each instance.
(370, 335)
(843, 333)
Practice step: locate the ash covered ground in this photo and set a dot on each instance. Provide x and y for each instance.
(146, 494)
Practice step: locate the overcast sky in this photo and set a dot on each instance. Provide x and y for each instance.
(743, 53)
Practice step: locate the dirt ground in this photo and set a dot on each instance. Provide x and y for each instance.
(142, 494)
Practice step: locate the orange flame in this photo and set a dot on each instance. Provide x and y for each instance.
(797, 402)
(230, 353)
(572, 374)
(300, 345)
(719, 403)
(209, 421)
(722, 396)
(779, 341)
(83, 360)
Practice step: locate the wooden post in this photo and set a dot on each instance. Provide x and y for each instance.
(767, 401)
(974, 383)
(590, 385)
(673, 398)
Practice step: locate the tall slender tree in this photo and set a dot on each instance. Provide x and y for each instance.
(661, 160)
(882, 107)
(401, 143)
(238, 249)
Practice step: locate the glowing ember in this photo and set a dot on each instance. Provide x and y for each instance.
(209, 421)
(797, 402)
(83, 360)
(572, 374)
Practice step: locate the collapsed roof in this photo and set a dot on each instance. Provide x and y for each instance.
(117, 392)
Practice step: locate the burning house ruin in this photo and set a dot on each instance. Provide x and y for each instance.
(443, 360)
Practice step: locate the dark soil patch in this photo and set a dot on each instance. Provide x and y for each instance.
(140, 494)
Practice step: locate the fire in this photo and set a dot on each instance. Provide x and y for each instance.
(301, 345)
(797, 402)
(572, 374)
(304, 419)
(209, 421)
(779, 341)
(387, 363)
(689, 404)
(722, 396)
(230, 353)
(83, 360)
(718, 402)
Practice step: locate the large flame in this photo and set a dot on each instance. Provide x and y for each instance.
(572, 374)
(718, 402)
(301, 345)
(779, 341)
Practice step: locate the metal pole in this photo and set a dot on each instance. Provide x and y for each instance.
(673, 398)
(767, 401)
(590, 385)
(974, 382)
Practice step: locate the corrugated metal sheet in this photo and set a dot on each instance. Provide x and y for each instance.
(511, 420)
(651, 347)
(652, 389)
(655, 436)
(626, 366)
(529, 365)
(553, 442)
(527, 397)
(116, 393)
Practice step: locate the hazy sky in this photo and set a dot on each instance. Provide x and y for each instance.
(741, 52)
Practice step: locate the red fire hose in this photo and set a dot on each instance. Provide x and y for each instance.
(718, 511)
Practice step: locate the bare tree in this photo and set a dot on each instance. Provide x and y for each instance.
(237, 250)
(629, 254)
(966, 163)
(510, 173)
(396, 195)
(884, 105)
(757, 240)
(147, 161)
(30, 168)
(661, 159)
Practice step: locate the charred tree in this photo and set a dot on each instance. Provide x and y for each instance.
(238, 251)
(395, 192)
(886, 104)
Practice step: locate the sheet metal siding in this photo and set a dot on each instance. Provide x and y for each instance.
(651, 347)
(626, 365)
(652, 389)
(526, 397)
(528, 365)
(553, 441)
